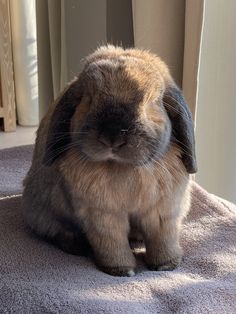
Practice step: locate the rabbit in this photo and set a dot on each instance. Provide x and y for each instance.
(114, 153)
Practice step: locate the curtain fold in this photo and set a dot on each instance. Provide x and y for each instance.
(24, 47)
(194, 12)
(45, 77)
(55, 29)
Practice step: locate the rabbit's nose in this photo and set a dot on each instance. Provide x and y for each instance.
(112, 142)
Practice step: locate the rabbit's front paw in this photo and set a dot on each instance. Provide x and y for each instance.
(119, 271)
(170, 264)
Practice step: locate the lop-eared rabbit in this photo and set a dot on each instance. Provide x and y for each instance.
(112, 158)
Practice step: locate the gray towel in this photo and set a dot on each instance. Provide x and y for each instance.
(14, 164)
(36, 277)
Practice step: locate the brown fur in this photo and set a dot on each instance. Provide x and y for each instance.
(89, 193)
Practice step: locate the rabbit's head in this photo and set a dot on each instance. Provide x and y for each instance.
(124, 107)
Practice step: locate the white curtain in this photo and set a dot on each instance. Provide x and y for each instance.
(24, 46)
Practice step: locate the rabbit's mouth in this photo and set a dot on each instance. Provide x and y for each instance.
(108, 154)
(130, 154)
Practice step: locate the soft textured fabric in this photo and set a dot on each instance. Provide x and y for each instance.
(36, 277)
(14, 164)
(24, 51)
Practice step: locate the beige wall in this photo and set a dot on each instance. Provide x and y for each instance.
(216, 108)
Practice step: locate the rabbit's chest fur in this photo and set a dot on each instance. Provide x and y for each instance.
(112, 187)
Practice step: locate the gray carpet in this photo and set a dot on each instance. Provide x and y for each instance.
(38, 278)
(14, 164)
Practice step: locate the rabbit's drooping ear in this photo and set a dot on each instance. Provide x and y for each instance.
(182, 126)
(58, 136)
